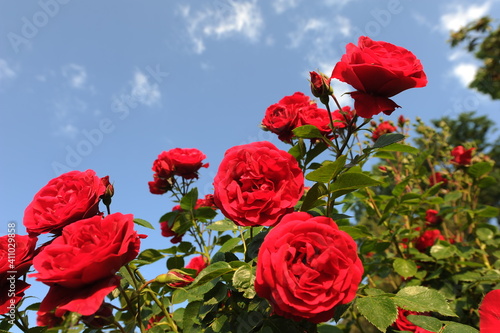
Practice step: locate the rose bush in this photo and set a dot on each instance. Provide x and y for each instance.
(305, 236)
(65, 199)
(257, 184)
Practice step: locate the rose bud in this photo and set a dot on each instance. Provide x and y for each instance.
(320, 86)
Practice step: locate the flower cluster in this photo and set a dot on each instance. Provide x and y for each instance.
(80, 263)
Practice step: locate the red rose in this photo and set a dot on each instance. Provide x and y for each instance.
(378, 70)
(489, 312)
(437, 177)
(159, 185)
(166, 231)
(257, 184)
(343, 118)
(183, 162)
(402, 323)
(16, 253)
(306, 267)
(462, 156)
(432, 218)
(428, 239)
(281, 118)
(317, 117)
(384, 128)
(65, 199)
(80, 265)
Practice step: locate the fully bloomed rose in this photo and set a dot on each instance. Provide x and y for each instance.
(292, 112)
(16, 256)
(257, 184)
(378, 70)
(183, 162)
(461, 156)
(404, 324)
(65, 199)
(306, 266)
(489, 312)
(80, 265)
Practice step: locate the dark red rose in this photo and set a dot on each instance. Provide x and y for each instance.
(163, 166)
(159, 185)
(101, 318)
(257, 184)
(343, 118)
(80, 265)
(317, 117)
(378, 70)
(432, 217)
(306, 266)
(384, 128)
(437, 177)
(489, 312)
(166, 231)
(187, 161)
(461, 156)
(65, 199)
(428, 239)
(281, 118)
(16, 257)
(402, 323)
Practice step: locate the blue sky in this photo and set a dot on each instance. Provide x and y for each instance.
(109, 85)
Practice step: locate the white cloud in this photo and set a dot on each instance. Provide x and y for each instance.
(223, 20)
(281, 6)
(6, 72)
(323, 46)
(143, 91)
(458, 15)
(75, 74)
(465, 72)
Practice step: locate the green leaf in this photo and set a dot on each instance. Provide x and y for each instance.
(484, 234)
(388, 139)
(211, 272)
(299, 150)
(243, 281)
(350, 181)
(486, 182)
(378, 310)
(400, 148)
(314, 152)
(478, 169)
(453, 327)
(307, 131)
(175, 262)
(313, 195)
(229, 245)
(190, 318)
(223, 225)
(150, 255)
(143, 223)
(405, 268)
(452, 196)
(355, 232)
(189, 200)
(423, 299)
(488, 211)
(442, 250)
(327, 171)
(206, 213)
(426, 322)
